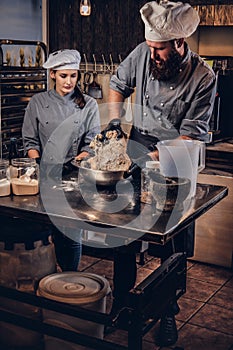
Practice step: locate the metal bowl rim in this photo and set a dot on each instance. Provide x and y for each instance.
(79, 166)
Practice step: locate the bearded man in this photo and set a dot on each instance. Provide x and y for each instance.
(175, 92)
(175, 88)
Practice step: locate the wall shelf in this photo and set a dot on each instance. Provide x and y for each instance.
(17, 85)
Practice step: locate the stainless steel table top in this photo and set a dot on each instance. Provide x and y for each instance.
(66, 204)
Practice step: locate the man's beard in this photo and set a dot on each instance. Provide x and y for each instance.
(168, 69)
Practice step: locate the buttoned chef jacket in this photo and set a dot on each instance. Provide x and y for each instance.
(167, 109)
(57, 126)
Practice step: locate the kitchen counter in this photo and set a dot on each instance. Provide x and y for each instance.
(224, 145)
(219, 156)
(217, 222)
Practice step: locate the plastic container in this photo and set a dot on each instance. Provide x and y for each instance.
(5, 187)
(74, 288)
(146, 196)
(26, 256)
(24, 175)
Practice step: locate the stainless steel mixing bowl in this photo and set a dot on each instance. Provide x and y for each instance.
(99, 177)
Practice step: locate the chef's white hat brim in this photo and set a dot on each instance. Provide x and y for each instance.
(63, 59)
(168, 20)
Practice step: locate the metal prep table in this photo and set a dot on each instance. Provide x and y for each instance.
(148, 300)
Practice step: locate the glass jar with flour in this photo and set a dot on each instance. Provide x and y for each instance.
(5, 187)
(24, 176)
(146, 195)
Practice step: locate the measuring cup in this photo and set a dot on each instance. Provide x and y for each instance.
(182, 159)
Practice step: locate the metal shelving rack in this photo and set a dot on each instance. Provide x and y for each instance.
(18, 83)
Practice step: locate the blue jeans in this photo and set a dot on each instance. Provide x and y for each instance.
(68, 251)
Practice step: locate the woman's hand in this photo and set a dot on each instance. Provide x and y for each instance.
(81, 156)
(33, 153)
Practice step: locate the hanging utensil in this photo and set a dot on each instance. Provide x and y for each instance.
(86, 82)
(86, 77)
(105, 67)
(94, 88)
(112, 65)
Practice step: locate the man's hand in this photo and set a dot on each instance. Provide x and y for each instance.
(137, 165)
(113, 125)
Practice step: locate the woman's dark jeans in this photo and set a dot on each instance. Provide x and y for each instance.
(68, 251)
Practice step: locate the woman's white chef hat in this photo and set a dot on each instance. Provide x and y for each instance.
(63, 59)
(168, 20)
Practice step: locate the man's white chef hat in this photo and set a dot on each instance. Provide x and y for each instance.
(168, 20)
(63, 59)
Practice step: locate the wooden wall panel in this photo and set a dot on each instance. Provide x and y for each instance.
(115, 26)
(223, 15)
